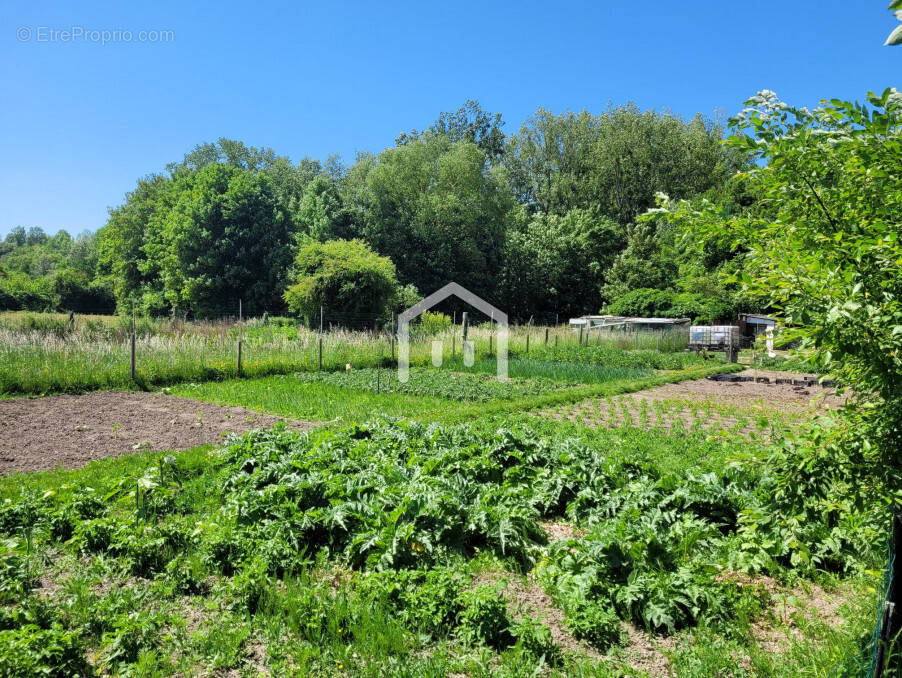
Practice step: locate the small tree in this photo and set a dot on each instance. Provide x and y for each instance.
(341, 274)
(826, 251)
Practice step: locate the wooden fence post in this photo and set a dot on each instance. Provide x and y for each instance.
(320, 342)
(527, 343)
(546, 336)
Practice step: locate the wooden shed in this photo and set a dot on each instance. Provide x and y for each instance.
(753, 325)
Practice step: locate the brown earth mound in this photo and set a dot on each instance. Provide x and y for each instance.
(39, 434)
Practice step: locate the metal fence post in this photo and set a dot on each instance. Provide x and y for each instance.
(890, 618)
(134, 331)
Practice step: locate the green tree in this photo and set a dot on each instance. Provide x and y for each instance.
(895, 38)
(646, 262)
(321, 214)
(433, 207)
(121, 242)
(468, 123)
(549, 161)
(220, 238)
(555, 265)
(343, 275)
(827, 251)
(615, 163)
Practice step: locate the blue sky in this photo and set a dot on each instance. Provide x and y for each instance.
(80, 121)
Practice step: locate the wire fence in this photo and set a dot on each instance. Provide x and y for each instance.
(886, 660)
(42, 353)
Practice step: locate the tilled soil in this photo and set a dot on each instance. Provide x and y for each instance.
(746, 408)
(39, 434)
(744, 392)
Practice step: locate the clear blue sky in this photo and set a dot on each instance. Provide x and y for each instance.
(80, 121)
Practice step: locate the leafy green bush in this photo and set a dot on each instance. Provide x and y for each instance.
(483, 617)
(534, 638)
(30, 651)
(654, 303)
(341, 274)
(434, 323)
(417, 517)
(594, 622)
(19, 291)
(644, 302)
(16, 578)
(427, 601)
(134, 633)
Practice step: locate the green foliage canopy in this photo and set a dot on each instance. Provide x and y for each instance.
(826, 250)
(341, 274)
(221, 239)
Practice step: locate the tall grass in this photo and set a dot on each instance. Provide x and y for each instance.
(56, 353)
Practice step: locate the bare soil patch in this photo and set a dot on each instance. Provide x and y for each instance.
(794, 608)
(40, 434)
(528, 599)
(752, 392)
(558, 530)
(743, 408)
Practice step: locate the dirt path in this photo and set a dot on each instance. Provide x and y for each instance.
(38, 434)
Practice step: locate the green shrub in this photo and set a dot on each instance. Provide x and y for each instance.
(434, 323)
(534, 638)
(426, 601)
(653, 303)
(341, 274)
(483, 617)
(134, 633)
(16, 577)
(643, 303)
(595, 622)
(30, 651)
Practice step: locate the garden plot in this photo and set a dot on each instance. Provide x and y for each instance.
(70, 431)
(749, 408)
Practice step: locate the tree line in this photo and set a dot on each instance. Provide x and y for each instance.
(542, 221)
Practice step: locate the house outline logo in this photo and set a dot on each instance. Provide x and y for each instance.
(451, 289)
